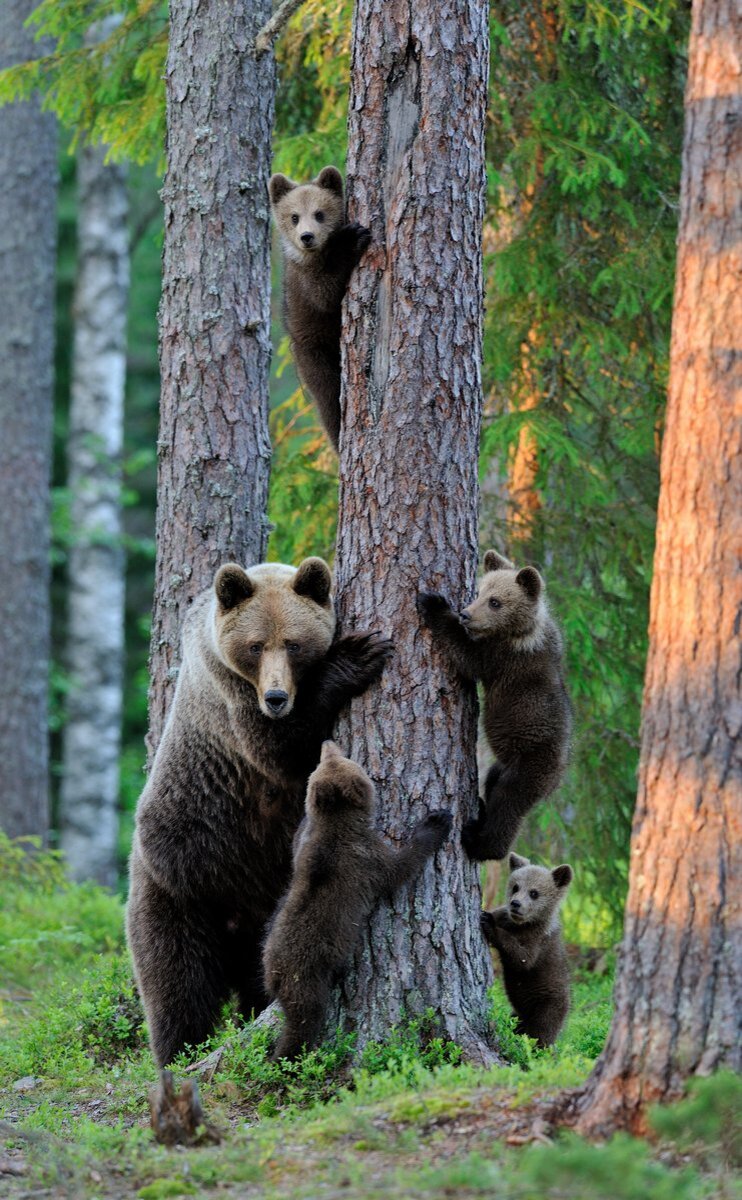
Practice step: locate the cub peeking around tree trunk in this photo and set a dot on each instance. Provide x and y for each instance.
(319, 253)
(342, 867)
(527, 935)
(507, 639)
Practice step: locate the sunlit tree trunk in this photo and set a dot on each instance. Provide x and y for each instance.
(408, 481)
(679, 988)
(214, 448)
(95, 631)
(28, 227)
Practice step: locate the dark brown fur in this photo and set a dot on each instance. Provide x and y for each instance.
(515, 649)
(315, 276)
(527, 936)
(212, 848)
(341, 868)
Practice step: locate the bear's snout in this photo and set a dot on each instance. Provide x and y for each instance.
(276, 701)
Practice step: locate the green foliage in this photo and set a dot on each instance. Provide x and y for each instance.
(706, 1123)
(622, 1169)
(302, 504)
(412, 1044)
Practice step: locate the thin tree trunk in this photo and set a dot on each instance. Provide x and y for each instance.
(95, 632)
(214, 448)
(28, 226)
(408, 481)
(679, 988)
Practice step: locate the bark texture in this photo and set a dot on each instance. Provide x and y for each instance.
(95, 632)
(214, 447)
(28, 170)
(408, 481)
(679, 988)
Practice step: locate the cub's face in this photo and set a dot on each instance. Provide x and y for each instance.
(307, 214)
(535, 893)
(338, 784)
(509, 601)
(271, 623)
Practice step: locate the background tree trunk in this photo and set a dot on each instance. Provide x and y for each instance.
(679, 988)
(95, 629)
(408, 481)
(214, 447)
(28, 225)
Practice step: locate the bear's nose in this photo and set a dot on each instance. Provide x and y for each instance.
(276, 701)
(464, 616)
(515, 904)
(307, 238)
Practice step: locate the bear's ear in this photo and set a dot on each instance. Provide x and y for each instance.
(330, 178)
(313, 579)
(516, 861)
(279, 186)
(496, 562)
(529, 579)
(232, 585)
(329, 751)
(562, 876)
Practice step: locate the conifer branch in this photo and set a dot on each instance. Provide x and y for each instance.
(273, 26)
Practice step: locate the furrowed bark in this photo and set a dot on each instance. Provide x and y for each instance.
(408, 482)
(679, 987)
(214, 447)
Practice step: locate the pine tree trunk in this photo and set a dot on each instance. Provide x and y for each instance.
(679, 989)
(95, 633)
(28, 229)
(408, 482)
(214, 447)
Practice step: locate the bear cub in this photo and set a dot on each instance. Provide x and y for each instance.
(527, 935)
(320, 251)
(341, 868)
(507, 639)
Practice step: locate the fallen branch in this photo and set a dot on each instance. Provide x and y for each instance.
(273, 26)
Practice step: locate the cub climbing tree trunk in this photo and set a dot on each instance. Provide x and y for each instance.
(408, 481)
(28, 228)
(214, 447)
(679, 988)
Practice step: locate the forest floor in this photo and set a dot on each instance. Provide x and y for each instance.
(411, 1121)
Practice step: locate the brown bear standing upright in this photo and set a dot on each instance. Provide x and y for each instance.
(319, 251)
(508, 640)
(342, 867)
(527, 935)
(259, 689)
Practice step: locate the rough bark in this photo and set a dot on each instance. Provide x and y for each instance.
(28, 170)
(95, 631)
(679, 988)
(214, 447)
(408, 481)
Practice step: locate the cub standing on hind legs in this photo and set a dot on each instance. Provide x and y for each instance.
(508, 640)
(319, 252)
(342, 867)
(527, 935)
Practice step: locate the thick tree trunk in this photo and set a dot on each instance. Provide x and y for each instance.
(214, 448)
(679, 989)
(95, 632)
(408, 481)
(28, 224)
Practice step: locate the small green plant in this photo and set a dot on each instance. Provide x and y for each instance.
(412, 1044)
(707, 1121)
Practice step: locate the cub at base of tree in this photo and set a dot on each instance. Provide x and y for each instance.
(319, 253)
(527, 935)
(507, 639)
(342, 867)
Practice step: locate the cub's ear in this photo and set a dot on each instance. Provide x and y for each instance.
(330, 178)
(279, 186)
(516, 861)
(562, 876)
(313, 579)
(329, 751)
(531, 582)
(232, 585)
(496, 562)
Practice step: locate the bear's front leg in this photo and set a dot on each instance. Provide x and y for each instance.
(351, 665)
(345, 248)
(436, 613)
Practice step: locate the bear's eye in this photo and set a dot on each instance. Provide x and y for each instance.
(294, 218)
(293, 647)
(319, 217)
(533, 894)
(256, 647)
(494, 603)
(516, 888)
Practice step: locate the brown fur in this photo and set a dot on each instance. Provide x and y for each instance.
(341, 868)
(527, 935)
(508, 640)
(318, 257)
(260, 687)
